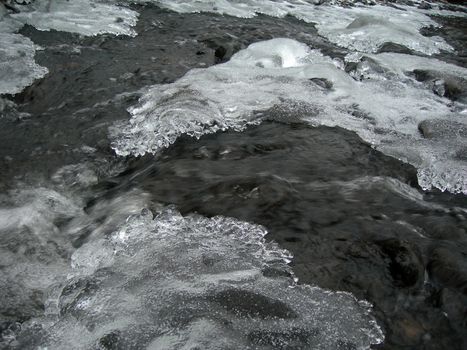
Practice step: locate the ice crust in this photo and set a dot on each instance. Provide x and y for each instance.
(380, 100)
(177, 282)
(361, 28)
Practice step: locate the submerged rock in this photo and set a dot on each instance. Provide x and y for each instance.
(406, 266)
(449, 268)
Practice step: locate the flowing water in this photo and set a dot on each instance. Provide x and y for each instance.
(249, 174)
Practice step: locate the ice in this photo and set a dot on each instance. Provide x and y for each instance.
(366, 29)
(33, 253)
(176, 282)
(84, 17)
(17, 66)
(380, 99)
(35, 209)
(361, 28)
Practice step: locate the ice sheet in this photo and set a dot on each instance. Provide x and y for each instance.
(177, 282)
(361, 28)
(380, 99)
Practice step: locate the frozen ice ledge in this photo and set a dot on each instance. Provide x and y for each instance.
(396, 102)
(175, 282)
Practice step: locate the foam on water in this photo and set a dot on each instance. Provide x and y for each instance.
(380, 99)
(177, 282)
(362, 28)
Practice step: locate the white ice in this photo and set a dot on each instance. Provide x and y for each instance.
(381, 101)
(17, 66)
(84, 17)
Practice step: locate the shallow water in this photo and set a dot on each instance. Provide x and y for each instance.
(200, 242)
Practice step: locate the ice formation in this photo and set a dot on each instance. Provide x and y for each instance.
(84, 17)
(380, 99)
(17, 66)
(361, 28)
(177, 282)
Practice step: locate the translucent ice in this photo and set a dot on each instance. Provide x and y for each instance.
(177, 282)
(39, 230)
(380, 99)
(32, 250)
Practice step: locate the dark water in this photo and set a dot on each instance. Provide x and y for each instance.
(354, 219)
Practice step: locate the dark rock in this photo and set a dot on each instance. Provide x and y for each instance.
(274, 273)
(449, 267)
(18, 303)
(393, 47)
(425, 6)
(366, 69)
(323, 83)
(224, 47)
(287, 339)
(405, 265)
(444, 85)
(75, 292)
(110, 341)
(454, 304)
(461, 154)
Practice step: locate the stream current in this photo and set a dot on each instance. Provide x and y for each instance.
(249, 174)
